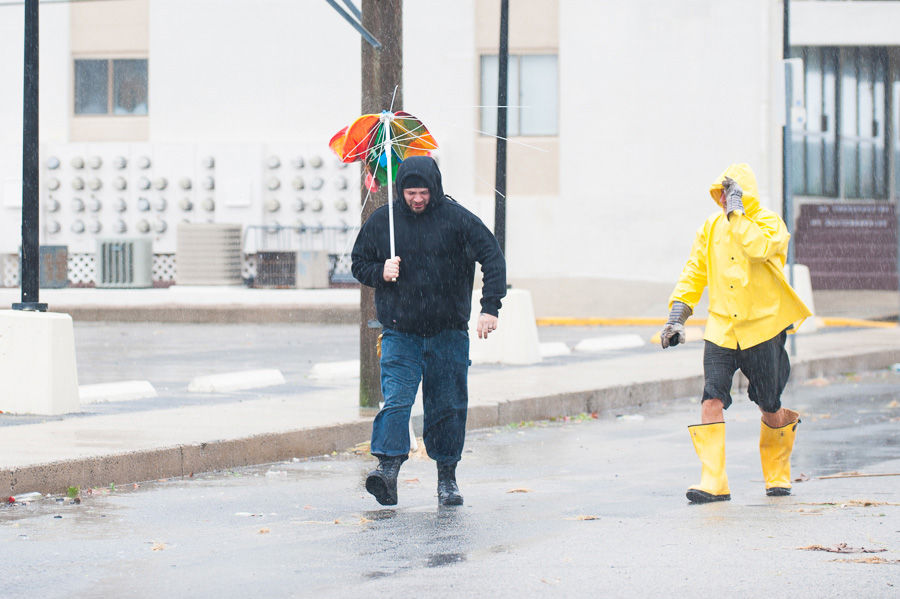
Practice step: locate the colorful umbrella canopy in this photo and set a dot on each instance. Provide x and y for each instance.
(365, 140)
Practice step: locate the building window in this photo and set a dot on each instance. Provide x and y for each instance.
(840, 151)
(111, 87)
(532, 95)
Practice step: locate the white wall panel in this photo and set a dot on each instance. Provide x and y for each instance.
(657, 98)
(440, 77)
(278, 70)
(845, 23)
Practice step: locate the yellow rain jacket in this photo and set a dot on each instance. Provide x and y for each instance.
(742, 262)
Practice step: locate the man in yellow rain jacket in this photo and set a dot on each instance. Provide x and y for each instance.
(739, 253)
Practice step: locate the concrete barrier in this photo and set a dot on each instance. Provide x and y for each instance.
(516, 339)
(37, 363)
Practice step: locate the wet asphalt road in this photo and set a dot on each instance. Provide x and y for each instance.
(170, 356)
(579, 508)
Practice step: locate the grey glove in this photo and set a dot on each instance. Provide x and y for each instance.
(673, 333)
(733, 195)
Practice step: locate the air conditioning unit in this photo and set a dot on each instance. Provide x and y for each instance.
(124, 263)
(209, 254)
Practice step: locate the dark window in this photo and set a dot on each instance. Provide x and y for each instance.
(840, 151)
(112, 86)
(91, 86)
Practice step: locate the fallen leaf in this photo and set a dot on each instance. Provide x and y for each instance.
(359, 449)
(158, 547)
(874, 559)
(411, 480)
(840, 548)
(894, 404)
(583, 517)
(520, 490)
(866, 503)
(819, 382)
(801, 479)
(263, 531)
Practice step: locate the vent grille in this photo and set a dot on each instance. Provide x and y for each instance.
(124, 263)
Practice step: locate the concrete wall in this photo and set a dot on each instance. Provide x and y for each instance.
(845, 23)
(55, 91)
(439, 59)
(55, 99)
(652, 109)
(248, 71)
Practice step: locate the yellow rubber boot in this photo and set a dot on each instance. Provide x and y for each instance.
(709, 443)
(775, 447)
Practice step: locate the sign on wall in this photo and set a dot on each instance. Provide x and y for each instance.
(849, 245)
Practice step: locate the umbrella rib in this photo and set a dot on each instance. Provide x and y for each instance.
(512, 141)
(365, 138)
(413, 138)
(489, 184)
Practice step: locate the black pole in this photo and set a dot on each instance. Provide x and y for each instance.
(786, 186)
(500, 180)
(786, 132)
(31, 248)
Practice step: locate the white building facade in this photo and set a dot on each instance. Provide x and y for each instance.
(621, 114)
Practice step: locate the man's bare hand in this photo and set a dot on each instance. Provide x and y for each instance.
(487, 323)
(391, 269)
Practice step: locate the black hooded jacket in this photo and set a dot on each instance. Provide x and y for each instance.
(438, 250)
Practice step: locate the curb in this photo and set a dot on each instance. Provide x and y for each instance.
(225, 314)
(184, 461)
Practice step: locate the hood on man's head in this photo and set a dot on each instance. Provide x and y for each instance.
(743, 175)
(420, 171)
(415, 181)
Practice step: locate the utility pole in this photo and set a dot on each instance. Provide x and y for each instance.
(502, 86)
(30, 282)
(382, 74)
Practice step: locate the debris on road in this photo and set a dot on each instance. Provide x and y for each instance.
(840, 548)
(857, 475)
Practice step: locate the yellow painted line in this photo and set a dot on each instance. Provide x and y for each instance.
(856, 322)
(561, 321)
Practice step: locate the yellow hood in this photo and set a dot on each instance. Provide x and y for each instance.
(743, 174)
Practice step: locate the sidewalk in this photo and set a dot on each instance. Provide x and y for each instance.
(94, 451)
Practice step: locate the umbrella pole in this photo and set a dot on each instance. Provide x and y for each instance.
(390, 182)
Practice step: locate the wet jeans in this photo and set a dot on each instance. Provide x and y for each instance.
(441, 364)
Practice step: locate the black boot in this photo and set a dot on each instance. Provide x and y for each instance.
(448, 492)
(382, 482)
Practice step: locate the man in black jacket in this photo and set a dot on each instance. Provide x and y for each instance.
(423, 298)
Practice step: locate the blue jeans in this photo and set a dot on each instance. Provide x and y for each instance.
(441, 364)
